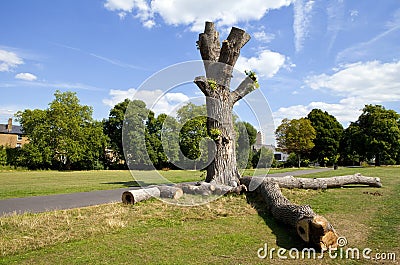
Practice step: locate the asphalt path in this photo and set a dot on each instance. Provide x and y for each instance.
(38, 204)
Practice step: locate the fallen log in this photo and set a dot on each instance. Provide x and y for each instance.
(291, 182)
(134, 196)
(312, 228)
(162, 191)
(203, 188)
(170, 192)
(207, 189)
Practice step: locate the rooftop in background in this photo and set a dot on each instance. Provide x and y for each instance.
(9, 128)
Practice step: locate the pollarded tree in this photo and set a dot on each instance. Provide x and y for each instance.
(295, 136)
(328, 134)
(219, 62)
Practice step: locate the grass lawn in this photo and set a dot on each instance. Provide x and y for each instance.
(227, 231)
(19, 183)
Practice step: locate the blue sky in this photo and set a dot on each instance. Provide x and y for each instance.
(333, 55)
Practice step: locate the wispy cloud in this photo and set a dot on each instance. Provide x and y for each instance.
(264, 37)
(54, 85)
(301, 22)
(115, 62)
(100, 57)
(363, 49)
(9, 60)
(335, 12)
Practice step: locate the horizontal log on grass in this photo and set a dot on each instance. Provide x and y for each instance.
(207, 189)
(162, 191)
(200, 188)
(291, 182)
(312, 228)
(170, 192)
(134, 196)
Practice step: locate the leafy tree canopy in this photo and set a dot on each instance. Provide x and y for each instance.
(295, 136)
(63, 136)
(328, 134)
(380, 134)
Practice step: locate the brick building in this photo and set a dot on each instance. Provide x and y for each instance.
(12, 135)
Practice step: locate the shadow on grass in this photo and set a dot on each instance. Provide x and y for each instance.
(125, 183)
(286, 237)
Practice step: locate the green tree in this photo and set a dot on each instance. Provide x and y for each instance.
(379, 134)
(162, 140)
(328, 134)
(295, 136)
(245, 138)
(134, 136)
(64, 136)
(263, 158)
(3, 156)
(352, 145)
(113, 129)
(192, 135)
(190, 111)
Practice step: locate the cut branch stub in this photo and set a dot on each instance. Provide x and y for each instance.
(209, 44)
(230, 50)
(245, 87)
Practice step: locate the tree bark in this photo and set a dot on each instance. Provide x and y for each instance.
(206, 189)
(170, 192)
(219, 62)
(312, 228)
(135, 196)
(291, 182)
(162, 191)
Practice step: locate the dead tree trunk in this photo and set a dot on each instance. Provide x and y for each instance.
(291, 182)
(162, 191)
(312, 228)
(219, 62)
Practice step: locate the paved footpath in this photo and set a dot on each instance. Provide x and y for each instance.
(38, 204)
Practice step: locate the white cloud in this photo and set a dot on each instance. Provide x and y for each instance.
(262, 36)
(9, 60)
(343, 111)
(156, 100)
(142, 8)
(301, 23)
(358, 84)
(371, 82)
(193, 13)
(266, 64)
(26, 76)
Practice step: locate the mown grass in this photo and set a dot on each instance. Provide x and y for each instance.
(227, 231)
(24, 183)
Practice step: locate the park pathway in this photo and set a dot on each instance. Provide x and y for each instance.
(38, 204)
